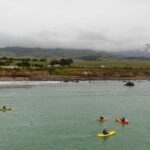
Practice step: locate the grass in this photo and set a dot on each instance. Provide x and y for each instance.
(114, 63)
(108, 62)
(114, 67)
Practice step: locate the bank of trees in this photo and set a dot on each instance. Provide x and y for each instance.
(21, 59)
(6, 63)
(23, 63)
(37, 63)
(61, 62)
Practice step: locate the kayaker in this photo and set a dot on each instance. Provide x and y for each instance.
(4, 107)
(101, 117)
(105, 131)
(123, 119)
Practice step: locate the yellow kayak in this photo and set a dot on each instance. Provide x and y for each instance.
(105, 135)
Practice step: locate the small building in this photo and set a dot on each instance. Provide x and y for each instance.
(103, 66)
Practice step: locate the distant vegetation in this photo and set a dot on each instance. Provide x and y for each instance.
(31, 62)
(83, 54)
(106, 62)
(62, 62)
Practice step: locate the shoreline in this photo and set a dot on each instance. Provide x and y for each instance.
(72, 74)
(71, 78)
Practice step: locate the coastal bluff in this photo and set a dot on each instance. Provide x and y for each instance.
(73, 74)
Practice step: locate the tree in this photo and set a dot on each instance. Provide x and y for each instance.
(42, 59)
(4, 58)
(66, 62)
(54, 62)
(24, 63)
(62, 62)
(35, 59)
(70, 61)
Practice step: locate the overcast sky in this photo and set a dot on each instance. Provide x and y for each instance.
(93, 24)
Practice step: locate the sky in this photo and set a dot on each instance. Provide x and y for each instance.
(80, 24)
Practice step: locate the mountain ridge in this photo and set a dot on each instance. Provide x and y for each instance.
(85, 54)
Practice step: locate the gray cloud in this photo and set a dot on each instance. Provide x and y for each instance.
(147, 47)
(81, 39)
(95, 24)
(38, 40)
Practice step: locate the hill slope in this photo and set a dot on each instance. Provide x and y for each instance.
(84, 54)
(45, 53)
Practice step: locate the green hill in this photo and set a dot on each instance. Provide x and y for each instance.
(46, 53)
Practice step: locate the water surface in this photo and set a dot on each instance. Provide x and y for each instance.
(62, 116)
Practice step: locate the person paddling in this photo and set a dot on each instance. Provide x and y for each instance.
(4, 107)
(101, 118)
(105, 131)
(123, 119)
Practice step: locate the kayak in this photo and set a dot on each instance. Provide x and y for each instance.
(1, 109)
(102, 120)
(123, 122)
(105, 135)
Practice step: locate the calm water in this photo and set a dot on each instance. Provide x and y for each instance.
(62, 116)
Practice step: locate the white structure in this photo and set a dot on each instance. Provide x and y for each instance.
(103, 66)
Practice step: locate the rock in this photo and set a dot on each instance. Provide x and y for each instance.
(65, 80)
(129, 83)
(77, 80)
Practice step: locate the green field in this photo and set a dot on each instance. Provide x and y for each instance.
(114, 63)
(104, 62)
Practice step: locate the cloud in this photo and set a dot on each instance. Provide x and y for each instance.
(147, 47)
(83, 39)
(94, 24)
(38, 40)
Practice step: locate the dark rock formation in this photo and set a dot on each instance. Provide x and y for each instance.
(129, 83)
(65, 80)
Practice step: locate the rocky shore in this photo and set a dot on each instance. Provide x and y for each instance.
(68, 78)
(73, 75)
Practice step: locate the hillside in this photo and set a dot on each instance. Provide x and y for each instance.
(45, 53)
(82, 54)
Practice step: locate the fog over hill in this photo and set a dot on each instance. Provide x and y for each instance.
(109, 25)
(44, 53)
(133, 54)
(85, 54)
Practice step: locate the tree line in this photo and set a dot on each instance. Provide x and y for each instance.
(21, 59)
(61, 62)
(28, 62)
